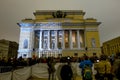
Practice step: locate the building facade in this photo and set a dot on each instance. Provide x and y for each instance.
(8, 49)
(58, 33)
(111, 47)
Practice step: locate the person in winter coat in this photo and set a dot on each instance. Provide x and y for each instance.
(103, 69)
(84, 62)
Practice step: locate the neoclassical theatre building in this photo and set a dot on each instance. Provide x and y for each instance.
(58, 33)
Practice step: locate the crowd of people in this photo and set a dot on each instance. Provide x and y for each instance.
(105, 66)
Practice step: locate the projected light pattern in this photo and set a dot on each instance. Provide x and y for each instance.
(54, 33)
(39, 39)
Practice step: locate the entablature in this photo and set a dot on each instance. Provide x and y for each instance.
(86, 24)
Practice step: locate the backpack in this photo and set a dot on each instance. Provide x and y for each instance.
(87, 72)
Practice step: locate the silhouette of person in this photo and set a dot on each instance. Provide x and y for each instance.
(66, 72)
(51, 68)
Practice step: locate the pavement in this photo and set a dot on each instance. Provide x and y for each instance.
(76, 78)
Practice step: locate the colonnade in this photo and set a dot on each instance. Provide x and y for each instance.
(51, 42)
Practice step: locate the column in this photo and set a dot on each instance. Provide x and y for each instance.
(63, 43)
(70, 39)
(40, 43)
(33, 37)
(56, 41)
(48, 39)
(78, 39)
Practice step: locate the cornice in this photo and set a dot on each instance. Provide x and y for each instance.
(50, 12)
(72, 24)
(92, 23)
(23, 24)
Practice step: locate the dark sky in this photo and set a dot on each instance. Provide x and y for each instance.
(105, 11)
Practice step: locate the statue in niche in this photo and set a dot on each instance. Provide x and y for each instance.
(93, 42)
(25, 44)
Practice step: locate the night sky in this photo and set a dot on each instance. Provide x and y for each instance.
(105, 11)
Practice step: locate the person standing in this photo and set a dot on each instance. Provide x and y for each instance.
(51, 67)
(116, 66)
(66, 72)
(86, 65)
(103, 69)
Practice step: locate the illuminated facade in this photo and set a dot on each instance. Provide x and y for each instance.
(111, 47)
(58, 33)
